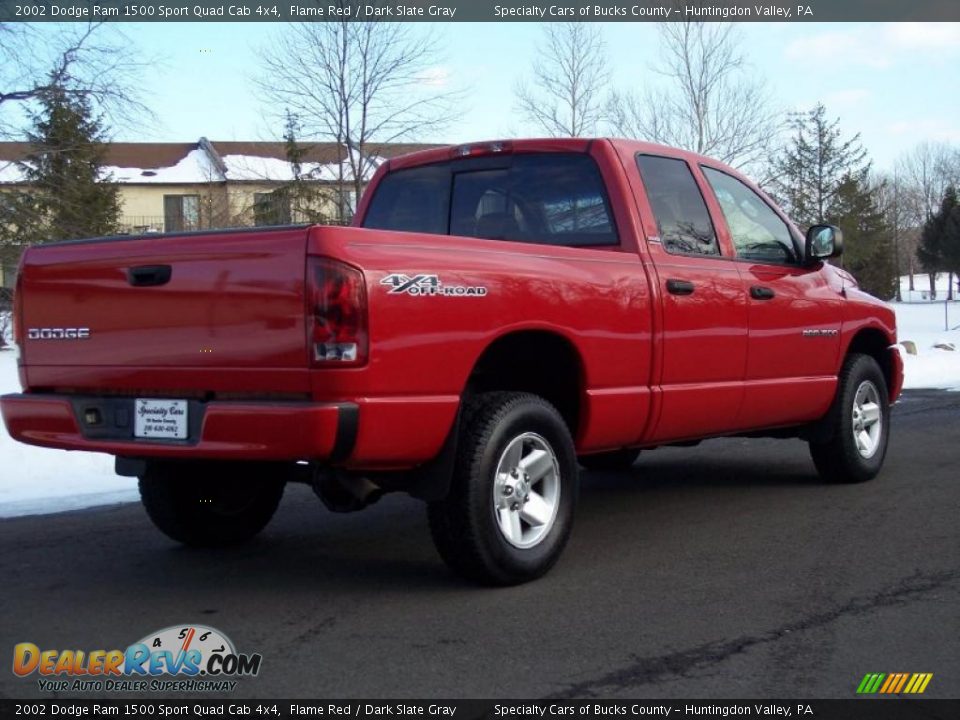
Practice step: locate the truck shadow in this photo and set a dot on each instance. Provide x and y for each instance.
(308, 553)
(727, 463)
(647, 476)
(307, 548)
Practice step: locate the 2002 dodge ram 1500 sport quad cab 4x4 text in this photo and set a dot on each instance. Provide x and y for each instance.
(497, 314)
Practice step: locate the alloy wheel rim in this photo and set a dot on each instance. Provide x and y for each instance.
(526, 491)
(867, 419)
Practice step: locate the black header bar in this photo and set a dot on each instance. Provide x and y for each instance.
(203, 707)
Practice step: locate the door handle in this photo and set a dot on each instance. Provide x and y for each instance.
(680, 287)
(758, 292)
(149, 275)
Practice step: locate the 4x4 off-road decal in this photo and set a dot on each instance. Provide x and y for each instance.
(429, 286)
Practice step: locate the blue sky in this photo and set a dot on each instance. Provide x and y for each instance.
(893, 83)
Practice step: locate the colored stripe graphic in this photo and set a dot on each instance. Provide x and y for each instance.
(918, 683)
(894, 683)
(870, 683)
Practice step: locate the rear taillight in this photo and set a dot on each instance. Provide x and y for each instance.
(336, 313)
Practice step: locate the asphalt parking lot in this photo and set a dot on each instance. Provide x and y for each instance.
(727, 570)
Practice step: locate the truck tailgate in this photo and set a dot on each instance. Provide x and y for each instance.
(232, 300)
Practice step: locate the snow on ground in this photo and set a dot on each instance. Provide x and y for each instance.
(7, 328)
(921, 287)
(37, 480)
(924, 325)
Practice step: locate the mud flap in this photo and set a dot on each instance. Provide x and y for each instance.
(431, 481)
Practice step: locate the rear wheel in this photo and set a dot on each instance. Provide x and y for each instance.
(858, 424)
(510, 507)
(613, 460)
(210, 504)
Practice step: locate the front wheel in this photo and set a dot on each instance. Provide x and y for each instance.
(208, 504)
(858, 424)
(510, 507)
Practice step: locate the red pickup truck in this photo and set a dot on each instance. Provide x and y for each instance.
(497, 314)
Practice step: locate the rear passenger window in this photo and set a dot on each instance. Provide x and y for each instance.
(481, 206)
(683, 220)
(550, 198)
(413, 200)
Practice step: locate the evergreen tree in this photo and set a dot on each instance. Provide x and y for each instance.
(295, 153)
(303, 194)
(867, 236)
(814, 163)
(939, 249)
(68, 197)
(279, 207)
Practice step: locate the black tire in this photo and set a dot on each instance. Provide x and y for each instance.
(622, 459)
(209, 504)
(839, 459)
(465, 525)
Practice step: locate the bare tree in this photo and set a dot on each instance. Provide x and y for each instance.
(570, 76)
(891, 195)
(927, 170)
(90, 60)
(710, 103)
(358, 84)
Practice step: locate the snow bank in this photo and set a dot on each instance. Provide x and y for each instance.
(7, 328)
(923, 325)
(37, 480)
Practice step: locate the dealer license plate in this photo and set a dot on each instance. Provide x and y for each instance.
(163, 419)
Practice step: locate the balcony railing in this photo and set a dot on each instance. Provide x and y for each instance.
(142, 224)
(136, 224)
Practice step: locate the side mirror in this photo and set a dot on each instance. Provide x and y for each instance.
(824, 241)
